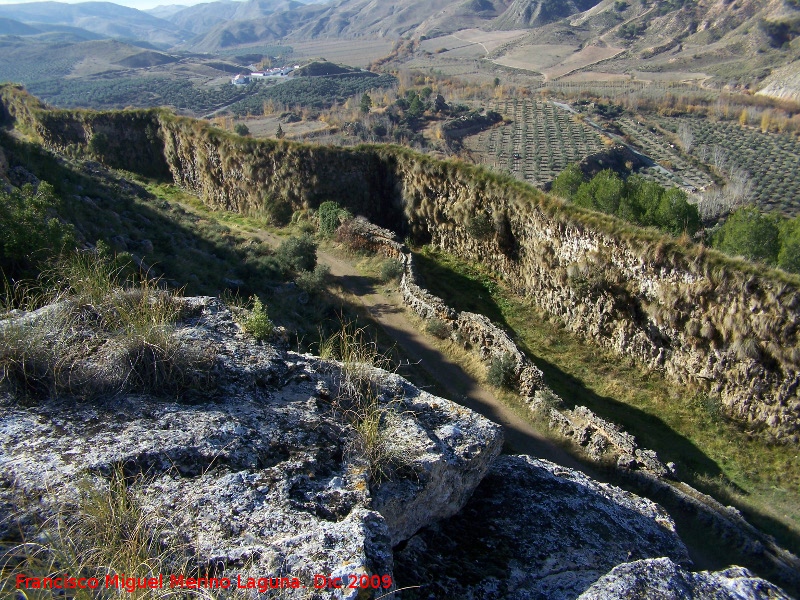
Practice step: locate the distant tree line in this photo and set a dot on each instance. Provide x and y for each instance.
(747, 232)
(311, 92)
(634, 199)
(135, 91)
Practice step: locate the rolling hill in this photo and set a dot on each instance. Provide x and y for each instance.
(525, 14)
(103, 18)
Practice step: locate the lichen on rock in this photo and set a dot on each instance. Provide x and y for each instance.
(255, 474)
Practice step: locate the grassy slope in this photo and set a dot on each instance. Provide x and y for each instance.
(711, 454)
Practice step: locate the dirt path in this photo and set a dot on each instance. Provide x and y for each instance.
(387, 311)
(485, 49)
(521, 437)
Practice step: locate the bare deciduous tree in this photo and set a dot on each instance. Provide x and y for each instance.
(685, 137)
(739, 189)
(719, 157)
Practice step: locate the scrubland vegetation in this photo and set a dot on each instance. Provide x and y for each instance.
(150, 219)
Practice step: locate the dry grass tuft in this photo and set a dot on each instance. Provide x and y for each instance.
(377, 425)
(99, 335)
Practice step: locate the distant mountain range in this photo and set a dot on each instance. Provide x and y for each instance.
(103, 19)
(753, 40)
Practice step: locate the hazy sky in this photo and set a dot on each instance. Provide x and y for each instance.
(140, 4)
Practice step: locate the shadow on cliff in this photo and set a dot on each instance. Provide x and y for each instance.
(693, 465)
(184, 249)
(462, 292)
(470, 292)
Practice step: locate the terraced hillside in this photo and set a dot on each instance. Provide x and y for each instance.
(541, 140)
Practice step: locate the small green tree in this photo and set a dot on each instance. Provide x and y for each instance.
(313, 282)
(366, 103)
(257, 322)
(675, 215)
(602, 193)
(568, 181)
(391, 269)
(750, 234)
(480, 226)
(642, 199)
(330, 216)
(280, 134)
(415, 107)
(297, 254)
(241, 129)
(29, 229)
(789, 253)
(439, 104)
(99, 144)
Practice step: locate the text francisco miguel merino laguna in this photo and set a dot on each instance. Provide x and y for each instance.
(262, 584)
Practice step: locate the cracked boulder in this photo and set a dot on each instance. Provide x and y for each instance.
(662, 579)
(534, 529)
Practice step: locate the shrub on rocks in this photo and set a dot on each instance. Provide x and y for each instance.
(439, 328)
(502, 371)
(391, 269)
(257, 322)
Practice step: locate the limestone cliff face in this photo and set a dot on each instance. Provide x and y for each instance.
(703, 318)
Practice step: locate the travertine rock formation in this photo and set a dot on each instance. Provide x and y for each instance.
(534, 529)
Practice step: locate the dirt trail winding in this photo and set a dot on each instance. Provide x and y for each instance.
(388, 312)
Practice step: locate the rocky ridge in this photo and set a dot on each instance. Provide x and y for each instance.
(261, 474)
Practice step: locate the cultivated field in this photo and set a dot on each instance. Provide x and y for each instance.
(771, 160)
(355, 53)
(484, 42)
(662, 150)
(261, 127)
(587, 56)
(542, 140)
(536, 57)
(555, 60)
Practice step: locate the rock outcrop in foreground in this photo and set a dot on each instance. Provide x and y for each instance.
(536, 530)
(259, 475)
(662, 579)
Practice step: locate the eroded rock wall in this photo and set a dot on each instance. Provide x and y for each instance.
(705, 319)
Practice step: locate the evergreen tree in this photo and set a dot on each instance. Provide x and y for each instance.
(30, 231)
(602, 193)
(750, 234)
(366, 103)
(675, 215)
(568, 181)
(789, 253)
